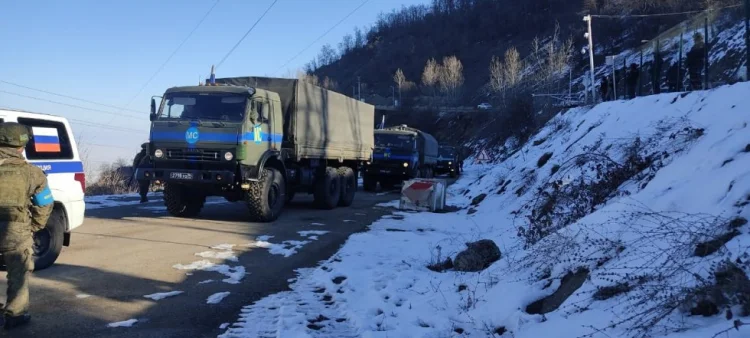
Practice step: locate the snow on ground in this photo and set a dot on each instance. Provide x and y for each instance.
(162, 295)
(289, 247)
(109, 201)
(638, 241)
(125, 323)
(389, 204)
(216, 298)
(234, 274)
(225, 255)
(82, 296)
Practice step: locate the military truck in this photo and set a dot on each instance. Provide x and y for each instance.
(448, 161)
(401, 153)
(258, 140)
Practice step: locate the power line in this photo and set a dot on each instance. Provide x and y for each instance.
(106, 146)
(64, 104)
(67, 96)
(323, 35)
(173, 53)
(105, 126)
(246, 34)
(659, 14)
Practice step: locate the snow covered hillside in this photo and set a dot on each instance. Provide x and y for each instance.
(622, 220)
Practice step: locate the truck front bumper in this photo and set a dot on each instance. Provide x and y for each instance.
(185, 175)
(388, 172)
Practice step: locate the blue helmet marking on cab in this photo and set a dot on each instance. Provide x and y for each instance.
(192, 135)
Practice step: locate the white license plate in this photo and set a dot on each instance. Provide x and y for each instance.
(181, 176)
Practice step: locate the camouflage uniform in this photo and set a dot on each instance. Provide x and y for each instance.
(25, 206)
(140, 159)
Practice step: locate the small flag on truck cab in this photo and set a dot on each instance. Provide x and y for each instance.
(46, 140)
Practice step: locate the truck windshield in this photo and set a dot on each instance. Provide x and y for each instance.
(202, 106)
(394, 141)
(447, 152)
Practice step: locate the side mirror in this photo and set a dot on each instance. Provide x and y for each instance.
(153, 106)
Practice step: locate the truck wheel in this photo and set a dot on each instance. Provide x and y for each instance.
(348, 186)
(266, 198)
(369, 183)
(181, 201)
(328, 189)
(48, 242)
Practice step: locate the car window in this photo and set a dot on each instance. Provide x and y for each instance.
(49, 140)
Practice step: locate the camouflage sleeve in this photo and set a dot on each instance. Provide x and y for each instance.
(42, 201)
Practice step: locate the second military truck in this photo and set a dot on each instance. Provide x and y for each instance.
(401, 153)
(258, 140)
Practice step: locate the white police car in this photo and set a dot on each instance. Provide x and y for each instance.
(53, 149)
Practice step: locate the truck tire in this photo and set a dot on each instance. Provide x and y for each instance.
(266, 198)
(48, 242)
(181, 201)
(369, 183)
(348, 186)
(328, 189)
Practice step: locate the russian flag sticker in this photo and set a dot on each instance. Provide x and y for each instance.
(46, 140)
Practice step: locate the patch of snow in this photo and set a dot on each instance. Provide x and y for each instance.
(125, 323)
(317, 224)
(226, 255)
(206, 281)
(349, 221)
(233, 273)
(223, 247)
(216, 298)
(263, 238)
(162, 295)
(223, 326)
(82, 296)
(389, 204)
(307, 233)
(379, 285)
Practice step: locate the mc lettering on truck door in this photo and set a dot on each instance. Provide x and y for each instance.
(256, 138)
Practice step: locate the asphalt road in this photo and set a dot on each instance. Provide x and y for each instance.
(123, 253)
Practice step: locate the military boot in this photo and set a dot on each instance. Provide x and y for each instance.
(16, 321)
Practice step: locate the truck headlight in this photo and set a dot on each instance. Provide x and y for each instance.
(406, 164)
(158, 153)
(449, 162)
(228, 156)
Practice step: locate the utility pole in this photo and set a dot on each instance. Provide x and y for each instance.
(706, 46)
(680, 85)
(359, 89)
(590, 36)
(393, 95)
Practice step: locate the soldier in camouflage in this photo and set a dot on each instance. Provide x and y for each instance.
(25, 206)
(139, 161)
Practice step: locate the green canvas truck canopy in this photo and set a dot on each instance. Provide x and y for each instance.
(318, 123)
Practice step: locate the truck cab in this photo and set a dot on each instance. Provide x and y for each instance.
(448, 161)
(208, 141)
(401, 153)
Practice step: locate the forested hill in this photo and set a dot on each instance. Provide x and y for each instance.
(475, 31)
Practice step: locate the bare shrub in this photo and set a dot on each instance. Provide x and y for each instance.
(114, 179)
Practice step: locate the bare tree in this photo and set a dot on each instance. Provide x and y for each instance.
(451, 76)
(430, 75)
(308, 77)
(346, 44)
(400, 80)
(329, 83)
(327, 55)
(497, 74)
(513, 67)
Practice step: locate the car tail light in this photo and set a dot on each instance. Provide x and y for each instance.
(81, 178)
